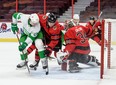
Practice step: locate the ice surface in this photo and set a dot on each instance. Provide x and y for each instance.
(9, 58)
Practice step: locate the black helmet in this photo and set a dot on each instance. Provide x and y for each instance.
(52, 18)
(91, 18)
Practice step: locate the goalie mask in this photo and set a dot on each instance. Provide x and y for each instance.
(69, 24)
(34, 18)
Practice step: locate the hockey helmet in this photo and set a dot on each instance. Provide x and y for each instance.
(52, 18)
(70, 24)
(76, 16)
(76, 19)
(34, 18)
(47, 13)
(92, 18)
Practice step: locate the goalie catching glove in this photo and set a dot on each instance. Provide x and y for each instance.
(62, 56)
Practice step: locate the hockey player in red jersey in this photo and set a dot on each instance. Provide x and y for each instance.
(52, 36)
(77, 49)
(94, 31)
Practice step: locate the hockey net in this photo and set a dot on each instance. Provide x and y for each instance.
(108, 26)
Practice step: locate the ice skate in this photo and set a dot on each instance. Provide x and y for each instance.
(22, 65)
(59, 63)
(45, 65)
(34, 65)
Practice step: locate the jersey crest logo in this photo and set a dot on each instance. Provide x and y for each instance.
(54, 27)
(44, 17)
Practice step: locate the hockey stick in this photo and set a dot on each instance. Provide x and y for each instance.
(47, 70)
(22, 52)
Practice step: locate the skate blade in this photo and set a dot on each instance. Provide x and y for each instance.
(22, 68)
(46, 71)
(34, 68)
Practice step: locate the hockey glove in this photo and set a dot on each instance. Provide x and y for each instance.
(48, 51)
(14, 28)
(23, 46)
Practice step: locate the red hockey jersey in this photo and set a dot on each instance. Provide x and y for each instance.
(92, 29)
(76, 40)
(53, 33)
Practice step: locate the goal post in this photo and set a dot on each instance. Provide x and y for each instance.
(107, 30)
(102, 51)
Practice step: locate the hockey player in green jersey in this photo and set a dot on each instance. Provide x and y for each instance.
(31, 33)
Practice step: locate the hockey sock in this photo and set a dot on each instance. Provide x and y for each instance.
(31, 48)
(42, 54)
(23, 56)
(37, 57)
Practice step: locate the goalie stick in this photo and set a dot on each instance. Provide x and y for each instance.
(22, 52)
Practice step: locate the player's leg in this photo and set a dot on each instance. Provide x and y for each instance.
(71, 64)
(41, 51)
(57, 48)
(88, 59)
(36, 62)
(93, 61)
(31, 48)
(23, 56)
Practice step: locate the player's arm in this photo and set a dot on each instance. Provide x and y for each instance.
(70, 41)
(15, 18)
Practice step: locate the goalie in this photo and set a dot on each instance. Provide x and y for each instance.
(77, 49)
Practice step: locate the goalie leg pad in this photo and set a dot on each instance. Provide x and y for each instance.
(72, 66)
(93, 61)
(64, 66)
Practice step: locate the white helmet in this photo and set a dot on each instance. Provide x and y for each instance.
(34, 18)
(76, 16)
(47, 13)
